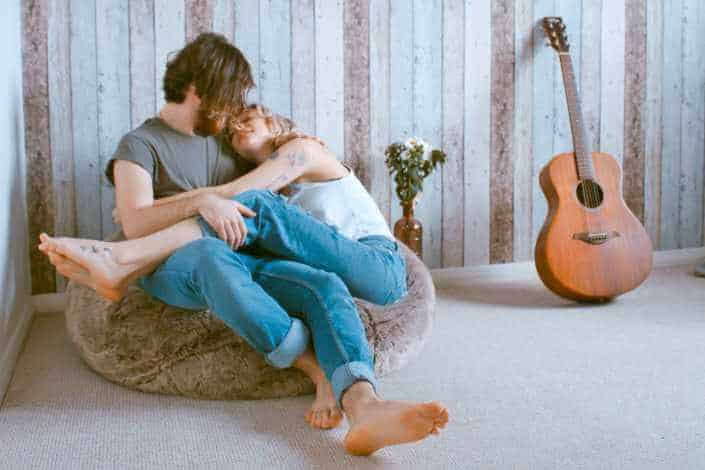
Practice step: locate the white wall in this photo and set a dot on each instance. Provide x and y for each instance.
(15, 312)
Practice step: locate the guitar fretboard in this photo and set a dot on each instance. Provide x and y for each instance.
(583, 155)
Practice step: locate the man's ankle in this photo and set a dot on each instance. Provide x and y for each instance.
(358, 394)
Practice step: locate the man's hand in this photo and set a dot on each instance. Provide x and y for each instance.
(226, 218)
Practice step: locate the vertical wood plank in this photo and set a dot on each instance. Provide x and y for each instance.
(692, 125)
(303, 65)
(247, 39)
(502, 132)
(612, 89)
(40, 197)
(60, 119)
(113, 65)
(427, 89)
(452, 233)
(199, 17)
(654, 124)
(523, 108)
(357, 88)
(544, 77)
(275, 56)
(634, 102)
(379, 42)
(401, 73)
(570, 11)
(224, 19)
(142, 80)
(169, 37)
(590, 63)
(84, 100)
(329, 73)
(672, 89)
(477, 86)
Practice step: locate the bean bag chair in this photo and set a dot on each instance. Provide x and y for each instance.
(144, 344)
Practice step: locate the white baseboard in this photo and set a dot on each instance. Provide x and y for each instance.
(8, 357)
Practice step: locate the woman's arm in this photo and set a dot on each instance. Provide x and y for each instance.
(286, 164)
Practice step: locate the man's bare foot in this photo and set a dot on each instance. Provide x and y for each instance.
(77, 273)
(101, 260)
(376, 423)
(324, 413)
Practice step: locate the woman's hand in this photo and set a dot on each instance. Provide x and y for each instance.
(226, 218)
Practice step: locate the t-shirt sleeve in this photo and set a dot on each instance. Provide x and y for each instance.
(134, 150)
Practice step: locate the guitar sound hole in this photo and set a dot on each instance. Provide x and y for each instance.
(589, 194)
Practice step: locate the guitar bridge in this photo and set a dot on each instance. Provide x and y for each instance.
(595, 238)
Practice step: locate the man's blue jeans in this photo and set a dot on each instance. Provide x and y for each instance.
(252, 290)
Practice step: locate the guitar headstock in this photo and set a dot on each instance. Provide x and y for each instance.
(555, 30)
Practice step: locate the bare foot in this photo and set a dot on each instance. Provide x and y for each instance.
(99, 259)
(324, 413)
(380, 423)
(77, 273)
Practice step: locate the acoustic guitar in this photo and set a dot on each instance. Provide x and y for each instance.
(591, 247)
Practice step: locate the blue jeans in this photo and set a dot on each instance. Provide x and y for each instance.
(372, 267)
(252, 290)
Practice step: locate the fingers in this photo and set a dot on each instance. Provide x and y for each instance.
(242, 230)
(231, 233)
(220, 230)
(244, 210)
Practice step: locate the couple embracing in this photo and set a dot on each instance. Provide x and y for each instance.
(199, 197)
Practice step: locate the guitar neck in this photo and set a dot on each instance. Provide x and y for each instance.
(583, 155)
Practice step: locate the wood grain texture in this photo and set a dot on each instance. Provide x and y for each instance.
(84, 99)
(452, 233)
(427, 109)
(357, 88)
(634, 106)
(60, 120)
(275, 56)
(523, 131)
(224, 18)
(303, 65)
(379, 42)
(654, 124)
(142, 64)
(612, 89)
(329, 73)
(169, 37)
(501, 164)
(199, 17)
(40, 192)
(477, 132)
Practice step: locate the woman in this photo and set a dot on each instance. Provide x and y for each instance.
(347, 235)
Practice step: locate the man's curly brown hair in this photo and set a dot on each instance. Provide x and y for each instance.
(219, 71)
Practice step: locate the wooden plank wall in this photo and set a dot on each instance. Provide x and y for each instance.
(472, 76)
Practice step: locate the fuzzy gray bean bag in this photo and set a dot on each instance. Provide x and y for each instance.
(144, 344)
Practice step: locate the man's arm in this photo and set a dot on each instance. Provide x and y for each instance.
(139, 216)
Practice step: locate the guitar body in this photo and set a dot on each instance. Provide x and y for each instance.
(612, 253)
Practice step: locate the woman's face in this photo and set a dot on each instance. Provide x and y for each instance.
(250, 135)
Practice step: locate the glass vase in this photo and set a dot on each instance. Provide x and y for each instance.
(409, 230)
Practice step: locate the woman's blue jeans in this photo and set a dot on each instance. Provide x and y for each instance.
(252, 289)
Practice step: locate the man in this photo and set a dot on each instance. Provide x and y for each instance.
(176, 152)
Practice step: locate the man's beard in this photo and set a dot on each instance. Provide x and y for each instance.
(205, 126)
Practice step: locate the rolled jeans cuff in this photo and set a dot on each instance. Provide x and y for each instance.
(291, 347)
(347, 374)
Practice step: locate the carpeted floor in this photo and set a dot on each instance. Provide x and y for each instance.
(531, 381)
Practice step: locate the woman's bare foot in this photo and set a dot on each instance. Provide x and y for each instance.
(77, 273)
(324, 412)
(103, 261)
(376, 423)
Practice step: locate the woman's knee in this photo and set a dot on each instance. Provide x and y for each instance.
(254, 198)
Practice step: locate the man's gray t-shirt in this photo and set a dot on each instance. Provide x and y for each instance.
(177, 162)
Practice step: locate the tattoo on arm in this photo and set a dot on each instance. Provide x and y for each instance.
(295, 159)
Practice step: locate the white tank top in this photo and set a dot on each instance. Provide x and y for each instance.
(343, 203)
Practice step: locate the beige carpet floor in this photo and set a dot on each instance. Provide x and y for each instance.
(531, 381)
